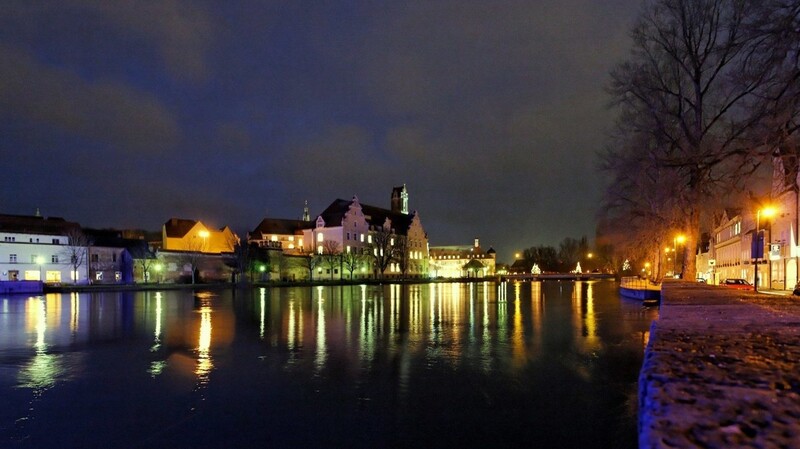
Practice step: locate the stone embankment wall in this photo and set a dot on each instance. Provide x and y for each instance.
(721, 370)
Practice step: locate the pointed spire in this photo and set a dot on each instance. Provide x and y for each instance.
(38, 214)
(306, 215)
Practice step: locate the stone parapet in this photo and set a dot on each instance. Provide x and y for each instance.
(721, 370)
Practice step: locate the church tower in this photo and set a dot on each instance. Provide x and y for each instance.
(306, 216)
(400, 200)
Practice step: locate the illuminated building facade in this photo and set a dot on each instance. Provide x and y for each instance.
(190, 235)
(466, 261)
(35, 248)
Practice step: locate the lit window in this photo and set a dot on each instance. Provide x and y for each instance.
(369, 238)
(291, 246)
(319, 236)
(274, 238)
(391, 242)
(300, 242)
(98, 276)
(117, 276)
(348, 249)
(291, 238)
(319, 249)
(362, 238)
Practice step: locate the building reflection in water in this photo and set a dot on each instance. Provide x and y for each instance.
(157, 366)
(42, 371)
(262, 296)
(204, 362)
(499, 327)
(321, 353)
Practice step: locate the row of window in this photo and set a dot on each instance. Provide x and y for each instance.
(13, 239)
(12, 258)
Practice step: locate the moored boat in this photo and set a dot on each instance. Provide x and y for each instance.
(639, 289)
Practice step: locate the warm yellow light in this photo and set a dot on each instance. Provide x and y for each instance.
(666, 250)
(680, 238)
(516, 256)
(39, 260)
(768, 211)
(647, 264)
(203, 233)
(590, 255)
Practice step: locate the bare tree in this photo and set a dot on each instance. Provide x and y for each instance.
(686, 87)
(143, 257)
(76, 251)
(308, 262)
(351, 260)
(193, 255)
(401, 254)
(383, 240)
(331, 256)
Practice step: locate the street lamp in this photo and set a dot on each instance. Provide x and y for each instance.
(758, 244)
(203, 235)
(158, 268)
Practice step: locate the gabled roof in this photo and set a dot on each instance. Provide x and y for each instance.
(334, 213)
(474, 264)
(36, 225)
(281, 226)
(178, 227)
(375, 216)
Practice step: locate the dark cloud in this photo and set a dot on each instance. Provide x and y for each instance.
(490, 112)
(102, 110)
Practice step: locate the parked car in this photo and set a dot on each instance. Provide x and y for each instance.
(739, 284)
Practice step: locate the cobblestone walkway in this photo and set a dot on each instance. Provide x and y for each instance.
(721, 370)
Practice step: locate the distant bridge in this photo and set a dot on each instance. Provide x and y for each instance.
(556, 276)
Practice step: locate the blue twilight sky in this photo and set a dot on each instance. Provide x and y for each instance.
(124, 114)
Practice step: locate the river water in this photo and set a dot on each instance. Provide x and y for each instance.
(543, 364)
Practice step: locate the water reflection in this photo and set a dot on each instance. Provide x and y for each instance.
(43, 369)
(391, 344)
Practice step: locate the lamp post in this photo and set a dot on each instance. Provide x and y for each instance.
(158, 267)
(758, 245)
(204, 235)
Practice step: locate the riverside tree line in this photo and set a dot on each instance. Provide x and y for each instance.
(706, 99)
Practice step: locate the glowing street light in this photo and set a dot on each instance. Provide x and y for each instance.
(767, 212)
(158, 267)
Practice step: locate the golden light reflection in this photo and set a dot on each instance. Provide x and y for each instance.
(592, 339)
(74, 312)
(537, 315)
(517, 336)
(204, 362)
(43, 370)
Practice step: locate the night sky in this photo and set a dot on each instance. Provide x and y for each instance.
(124, 114)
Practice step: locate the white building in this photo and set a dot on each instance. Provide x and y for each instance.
(35, 248)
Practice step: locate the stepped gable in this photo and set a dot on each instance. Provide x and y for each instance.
(375, 216)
